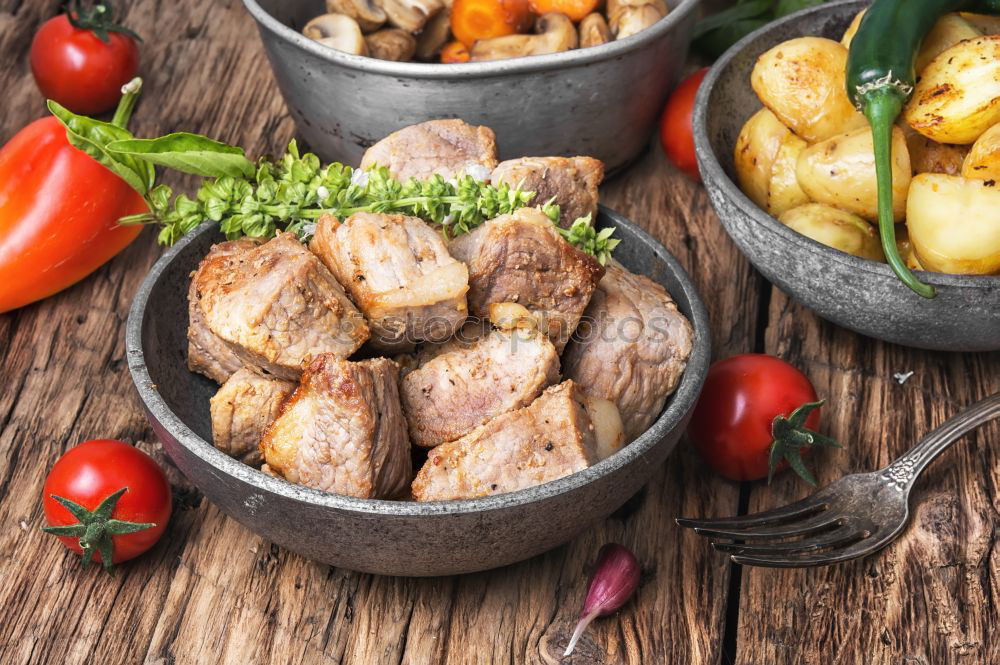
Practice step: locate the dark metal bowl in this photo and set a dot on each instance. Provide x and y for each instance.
(855, 293)
(392, 537)
(601, 101)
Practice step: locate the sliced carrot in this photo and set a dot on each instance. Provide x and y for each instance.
(454, 52)
(576, 10)
(482, 19)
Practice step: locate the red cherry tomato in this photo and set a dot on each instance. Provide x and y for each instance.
(675, 125)
(88, 475)
(732, 423)
(76, 68)
(59, 212)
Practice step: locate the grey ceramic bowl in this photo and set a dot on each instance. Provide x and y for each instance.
(855, 293)
(600, 101)
(392, 537)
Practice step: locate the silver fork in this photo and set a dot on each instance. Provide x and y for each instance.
(855, 516)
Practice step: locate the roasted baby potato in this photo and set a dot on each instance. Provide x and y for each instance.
(835, 228)
(905, 248)
(954, 224)
(983, 160)
(949, 30)
(783, 191)
(841, 172)
(985, 23)
(958, 95)
(927, 156)
(852, 28)
(756, 149)
(802, 82)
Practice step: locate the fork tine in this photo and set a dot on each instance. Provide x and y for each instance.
(815, 523)
(840, 537)
(857, 549)
(804, 508)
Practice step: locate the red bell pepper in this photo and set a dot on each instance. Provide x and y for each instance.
(59, 212)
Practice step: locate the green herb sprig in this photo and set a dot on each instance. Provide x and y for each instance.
(582, 234)
(598, 243)
(715, 33)
(296, 190)
(293, 192)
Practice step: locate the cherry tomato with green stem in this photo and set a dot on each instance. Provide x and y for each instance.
(107, 501)
(82, 58)
(756, 415)
(675, 125)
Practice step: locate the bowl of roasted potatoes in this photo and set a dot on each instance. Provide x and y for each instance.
(788, 163)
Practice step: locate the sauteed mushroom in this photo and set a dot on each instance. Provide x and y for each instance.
(594, 30)
(554, 33)
(369, 16)
(627, 17)
(337, 31)
(410, 15)
(391, 44)
(435, 36)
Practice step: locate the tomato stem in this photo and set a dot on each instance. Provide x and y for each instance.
(96, 529)
(98, 20)
(130, 95)
(791, 437)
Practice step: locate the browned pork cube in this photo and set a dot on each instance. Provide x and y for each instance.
(571, 182)
(466, 384)
(277, 306)
(399, 273)
(242, 409)
(551, 438)
(449, 148)
(521, 258)
(342, 430)
(207, 354)
(633, 348)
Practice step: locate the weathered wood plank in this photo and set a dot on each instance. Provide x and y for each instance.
(214, 592)
(931, 597)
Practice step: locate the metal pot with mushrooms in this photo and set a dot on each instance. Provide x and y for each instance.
(451, 31)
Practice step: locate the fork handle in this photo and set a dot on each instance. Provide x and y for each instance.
(904, 471)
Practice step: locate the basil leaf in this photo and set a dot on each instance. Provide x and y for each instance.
(189, 153)
(739, 12)
(93, 137)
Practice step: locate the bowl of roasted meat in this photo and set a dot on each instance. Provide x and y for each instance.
(601, 101)
(399, 395)
(787, 162)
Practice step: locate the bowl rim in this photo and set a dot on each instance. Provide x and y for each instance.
(429, 70)
(681, 403)
(713, 171)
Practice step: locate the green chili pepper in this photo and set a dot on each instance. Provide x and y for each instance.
(880, 80)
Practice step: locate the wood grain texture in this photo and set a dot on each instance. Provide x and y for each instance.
(931, 597)
(212, 591)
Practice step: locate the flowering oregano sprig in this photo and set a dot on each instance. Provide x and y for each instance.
(296, 190)
(291, 193)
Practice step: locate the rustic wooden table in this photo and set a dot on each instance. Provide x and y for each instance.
(213, 592)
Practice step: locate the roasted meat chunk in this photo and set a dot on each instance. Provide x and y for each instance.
(463, 385)
(342, 430)
(551, 438)
(521, 258)
(207, 354)
(571, 182)
(632, 349)
(399, 273)
(242, 409)
(449, 148)
(277, 306)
